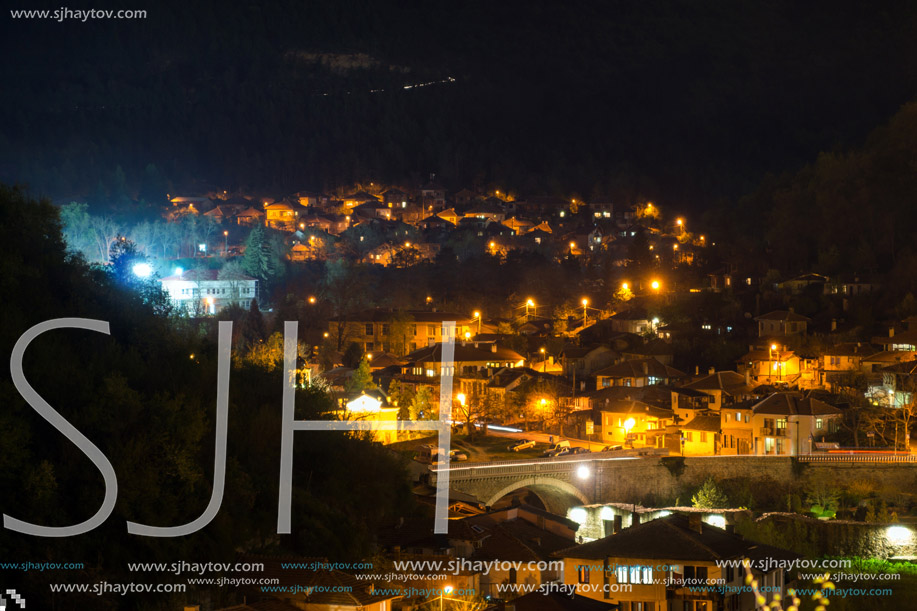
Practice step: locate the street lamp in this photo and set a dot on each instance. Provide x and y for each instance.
(770, 357)
(445, 590)
(142, 270)
(544, 361)
(625, 286)
(628, 425)
(655, 285)
(585, 303)
(225, 243)
(312, 300)
(477, 315)
(529, 304)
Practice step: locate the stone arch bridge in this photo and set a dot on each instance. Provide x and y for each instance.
(568, 481)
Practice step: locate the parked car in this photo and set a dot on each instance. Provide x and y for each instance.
(612, 448)
(458, 455)
(579, 450)
(522, 444)
(556, 452)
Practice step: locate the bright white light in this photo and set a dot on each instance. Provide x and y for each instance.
(142, 270)
(899, 535)
(582, 472)
(607, 513)
(717, 520)
(202, 247)
(179, 271)
(578, 515)
(447, 590)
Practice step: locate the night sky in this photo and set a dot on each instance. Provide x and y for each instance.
(685, 101)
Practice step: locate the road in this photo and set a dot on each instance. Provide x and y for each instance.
(595, 446)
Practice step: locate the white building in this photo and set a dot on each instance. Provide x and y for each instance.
(201, 292)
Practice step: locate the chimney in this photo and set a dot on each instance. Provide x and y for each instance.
(891, 332)
(634, 519)
(619, 523)
(646, 368)
(493, 347)
(695, 523)
(697, 370)
(711, 371)
(792, 311)
(747, 377)
(834, 324)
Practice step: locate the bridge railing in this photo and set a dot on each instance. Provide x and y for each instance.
(562, 464)
(853, 457)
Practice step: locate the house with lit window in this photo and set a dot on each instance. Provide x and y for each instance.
(736, 428)
(281, 215)
(200, 292)
(775, 365)
(839, 363)
(371, 407)
(897, 386)
(782, 322)
(250, 216)
(632, 424)
(637, 372)
(789, 423)
(352, 200)
(396, 331)
(897, 342)
(699, 437)
(468, 358)
(666, 562)
(723, 388)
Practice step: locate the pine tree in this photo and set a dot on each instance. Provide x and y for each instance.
(709, 496)
(251, 262)
(362, 378)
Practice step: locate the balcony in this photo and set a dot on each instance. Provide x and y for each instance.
(767, 431)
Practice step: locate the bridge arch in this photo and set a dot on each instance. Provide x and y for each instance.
(557, 495)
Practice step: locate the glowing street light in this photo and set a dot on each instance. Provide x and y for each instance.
(325, 334)
(583, 472)
(529, 304)
(585, 303)
(655, 285)
(225, 243)
(443, 592)
(312, 300)
(477, 315)
(625, 286)
(544, 361)
(461, 398)
(142, 270)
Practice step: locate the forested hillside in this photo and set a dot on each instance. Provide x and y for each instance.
(291, 95)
